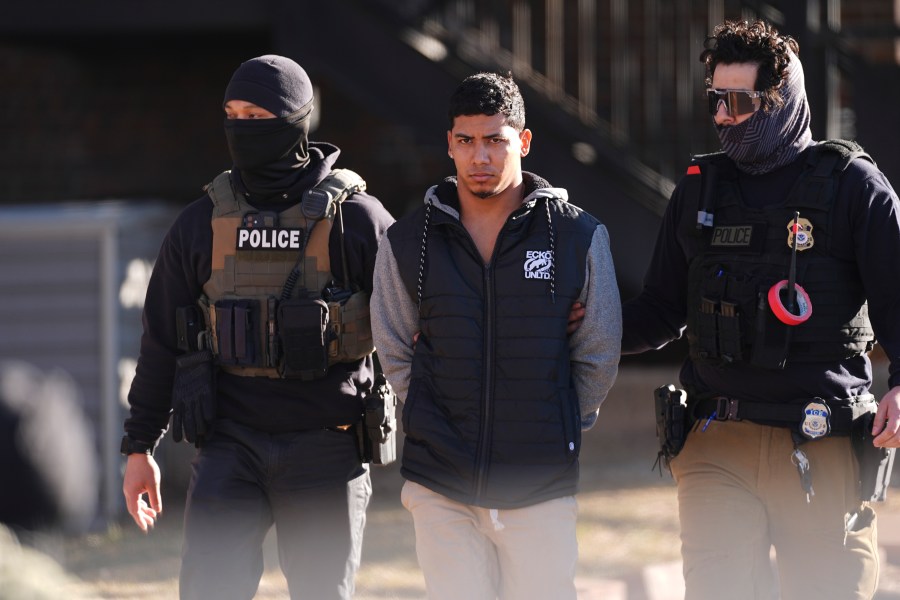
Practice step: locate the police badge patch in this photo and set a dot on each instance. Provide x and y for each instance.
(805, 239)
(816, 419)
(538, 264)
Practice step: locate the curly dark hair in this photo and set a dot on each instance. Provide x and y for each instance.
(489, 94)
(752, 42)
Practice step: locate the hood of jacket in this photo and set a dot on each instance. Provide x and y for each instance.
(444, 196)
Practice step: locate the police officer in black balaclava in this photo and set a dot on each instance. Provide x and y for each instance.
(276, 437)
(270, 153)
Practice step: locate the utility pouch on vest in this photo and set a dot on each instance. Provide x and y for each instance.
(772, 339)
(671, 422)
(875, 464)
(707, 337)
(189, 324)
(303, 336)
(193, 397)
(351, 328)
(729, 328)
(237, 330)
(378, 430)
(717, 326)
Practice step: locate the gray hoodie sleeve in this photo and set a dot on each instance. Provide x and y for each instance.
(594, 349)
(395, 319)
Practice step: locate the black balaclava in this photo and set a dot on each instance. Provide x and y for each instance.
(270, 154)
(769, 140)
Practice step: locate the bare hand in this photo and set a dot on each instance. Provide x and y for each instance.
(576, 316)
(142, 477)
(886, 427)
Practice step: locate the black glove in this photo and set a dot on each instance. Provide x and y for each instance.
(193, 397)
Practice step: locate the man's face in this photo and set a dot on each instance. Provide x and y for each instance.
(487, 153)
(736, 76)
(239, 109)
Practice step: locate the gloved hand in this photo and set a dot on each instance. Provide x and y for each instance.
(193, 397)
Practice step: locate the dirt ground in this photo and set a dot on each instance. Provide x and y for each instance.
(627, 523)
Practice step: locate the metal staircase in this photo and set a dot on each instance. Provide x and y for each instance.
(622, 77)
(613, 88)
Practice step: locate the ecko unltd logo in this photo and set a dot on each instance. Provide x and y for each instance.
(538, 264)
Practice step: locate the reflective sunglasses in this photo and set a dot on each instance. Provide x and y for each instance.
(737, 102)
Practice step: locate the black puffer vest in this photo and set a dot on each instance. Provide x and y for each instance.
(741, 252)
(491, 417)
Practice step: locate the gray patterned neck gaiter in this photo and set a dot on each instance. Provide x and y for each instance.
(769, 140)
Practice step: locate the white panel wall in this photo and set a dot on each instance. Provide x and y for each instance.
(72, 281)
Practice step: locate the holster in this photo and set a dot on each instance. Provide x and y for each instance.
(378, 429)
(875, 464)
(671, 422)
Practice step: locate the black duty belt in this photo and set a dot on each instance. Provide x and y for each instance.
(724, 408)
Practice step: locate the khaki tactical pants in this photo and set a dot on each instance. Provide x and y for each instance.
(739, 495)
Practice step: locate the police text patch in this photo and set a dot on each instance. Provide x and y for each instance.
(269, 238)
(732, 235)
(745, 238)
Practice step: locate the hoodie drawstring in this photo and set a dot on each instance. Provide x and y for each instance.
(552, 237)
(422, 250)
(424, 246)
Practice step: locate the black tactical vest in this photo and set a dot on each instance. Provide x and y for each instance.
(740, 253)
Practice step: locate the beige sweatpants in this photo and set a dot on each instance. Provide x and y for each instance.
(472, 553)
(739, 494)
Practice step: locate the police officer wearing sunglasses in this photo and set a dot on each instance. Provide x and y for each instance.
(777, 257)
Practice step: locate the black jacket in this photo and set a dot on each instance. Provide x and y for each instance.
(269, 405)
(865, 234)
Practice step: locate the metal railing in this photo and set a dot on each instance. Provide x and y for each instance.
(624, 73)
